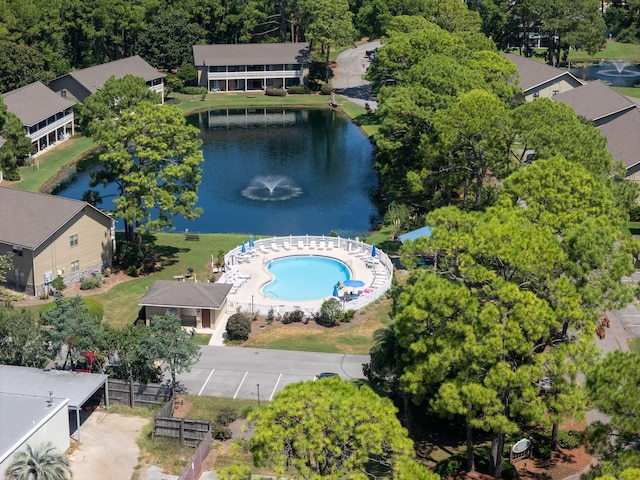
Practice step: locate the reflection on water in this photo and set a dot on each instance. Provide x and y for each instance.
(318, 165)
(617, 74)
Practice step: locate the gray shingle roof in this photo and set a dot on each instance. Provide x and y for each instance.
(595, 100)
(77, 387)
(251, 54)
(35, 102)
(174, 294)
(28, 218)
(623, 140)
(533, 74)
(93, 78)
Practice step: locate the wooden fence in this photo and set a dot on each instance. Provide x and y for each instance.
(136, 394)
(190, 432)
(194, 467)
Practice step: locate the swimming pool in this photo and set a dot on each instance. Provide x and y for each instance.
(304, 277)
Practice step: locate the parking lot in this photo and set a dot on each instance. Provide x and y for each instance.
(246, 373)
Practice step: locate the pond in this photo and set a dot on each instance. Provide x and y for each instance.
(614, 73)
(277, 172)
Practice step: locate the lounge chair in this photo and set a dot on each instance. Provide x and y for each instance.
(322, 245)
(300, 244)
(312, 244)
(330, 245)
(355, 250)
(286, 245)
(274, 247)
(263, 248)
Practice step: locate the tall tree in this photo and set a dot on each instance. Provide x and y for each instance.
(166, 341)
(299, 429)
(16, 146)
(21, 65)
(21, 339)
(42, 462)
(154, 158)
(328, 22)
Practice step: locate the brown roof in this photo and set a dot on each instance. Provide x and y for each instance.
(93, 78)
(35, 102)
(174, 294)
(251, 54)
(623, 138)
(595, 100)
(533, 74)
(28, 219)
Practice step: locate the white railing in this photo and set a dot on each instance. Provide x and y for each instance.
(249, 75)
(50, 128)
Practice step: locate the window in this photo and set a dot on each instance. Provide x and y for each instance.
(73, 240)
(75, 266)
(536, 94)
(63, 93)
(555, 92)
(17, 251)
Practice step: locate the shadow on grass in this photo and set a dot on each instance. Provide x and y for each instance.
(168, 254)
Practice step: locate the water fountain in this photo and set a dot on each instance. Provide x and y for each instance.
(617, 73)
(271, 188)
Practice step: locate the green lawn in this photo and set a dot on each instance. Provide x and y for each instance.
(613, 51)
(634, 345)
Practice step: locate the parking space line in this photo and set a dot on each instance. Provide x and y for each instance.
(274, 388)
(240, 386)
(205, 382)
(630, 315)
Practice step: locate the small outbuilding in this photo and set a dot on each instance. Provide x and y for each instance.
(198, 304)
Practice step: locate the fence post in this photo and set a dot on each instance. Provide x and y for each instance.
(132, 398)
(182, 431)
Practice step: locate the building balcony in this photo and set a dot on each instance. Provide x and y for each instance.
(52, 127)
(250, 75)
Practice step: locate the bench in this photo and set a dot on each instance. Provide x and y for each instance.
(192, 236)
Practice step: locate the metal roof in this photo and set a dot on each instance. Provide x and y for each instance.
(174, 294)
(251, 54)
(28, 218)
(77, 387)
(21, 416)
(35, 102)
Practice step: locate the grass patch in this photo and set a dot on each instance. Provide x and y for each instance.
(366, 120)
(51, 162)
(207, 408)
(612, 51)
(634, 345)
(202, 338)
(354, 339)
(166, 453)
(628, 91)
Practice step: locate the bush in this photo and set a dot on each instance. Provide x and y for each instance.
(569, 439)
(238, 327)
(130, 254)
(330, 313)
(91, 283)
(271, 315)
(450, 466)
(226, 416)
(58, 284)
(275, 92)
(220, 432)
(298, 90)
(194, 90)
(295, 316)
(348, 316)
(326, 90)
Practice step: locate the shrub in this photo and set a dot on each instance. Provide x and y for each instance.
(235, 471)
(330, 313)
(569, 439)
(298, 89)
(91, 283)
(220, 432)
(58, 284)
(271, 315)
(295, 316)
(542, 450)
(326, 90)
(275, 92)
(348, 316)
(132, 271)
(238, 327)
(450, 466)
(194, 90)
(226, 416)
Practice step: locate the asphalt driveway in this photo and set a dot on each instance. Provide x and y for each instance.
(249, 373)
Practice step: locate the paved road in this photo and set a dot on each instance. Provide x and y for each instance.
(233, 372)
(348, 81)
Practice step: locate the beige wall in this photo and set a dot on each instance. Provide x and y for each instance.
(546, 90)
(94, 250)
(160, 311)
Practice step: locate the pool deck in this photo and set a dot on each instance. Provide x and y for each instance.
(248, 273)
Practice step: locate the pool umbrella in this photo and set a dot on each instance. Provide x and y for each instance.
(373, 250)
(353, 283)
(244, 248)
(335, 291)
(251, 241)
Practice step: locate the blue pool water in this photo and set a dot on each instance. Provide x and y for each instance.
(304, 277)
